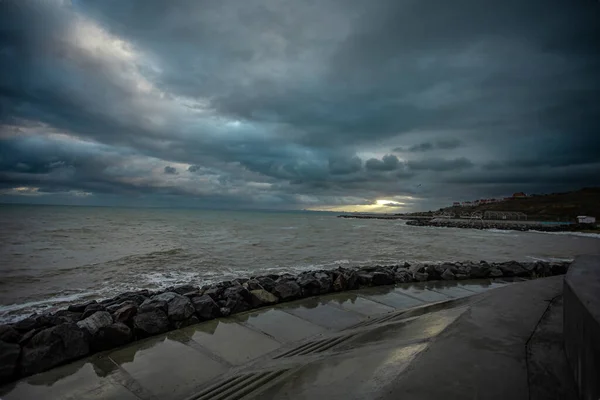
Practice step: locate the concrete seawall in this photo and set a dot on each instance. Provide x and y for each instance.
(582, 324)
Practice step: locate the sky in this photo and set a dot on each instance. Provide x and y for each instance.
(342, 105)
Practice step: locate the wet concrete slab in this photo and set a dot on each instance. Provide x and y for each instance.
(408, 330)
(280, 325)
(231, 341)
(167, 368)
(344, 377)
(393, 299)
(453, 291)
(320, 312)
(80, 380)
(358, 304)
(421, 293)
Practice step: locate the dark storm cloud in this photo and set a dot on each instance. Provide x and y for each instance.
(298, 103)
(387, 163)
(440, 144)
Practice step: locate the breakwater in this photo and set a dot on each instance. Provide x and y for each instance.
(41, 342)
(502, 225)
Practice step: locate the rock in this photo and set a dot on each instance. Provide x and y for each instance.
(9, 356)
(195, 293)
(205, 307)
(558, 268)
(479, 271)
(91, 309)
(179, 307)
(225, 311)
(352, 279)
(214, 292)
(27, 324)
(448, 275)
(285, 278)
(402, 276)
(150, 305)
(111, 336)
(287, 291)
(237, 291)
(325, 282)
(183, 289)
(495, 272)
(267, 283)
(542, 269)
(382, 278)
(512, 269)
(150, 323)
(434, 272)
(66, 316)
(460, 276)
(27, 336)
(52, 347)
(80, 307)
(190, 321)
(340, 283)
(365, 278)
(125, 314)
(114, 307)
(237, 298)
(309, 284)
(9, 334)
(237, 305)
(96, 321)
(254, 284)
(420, 276)
(261, 297)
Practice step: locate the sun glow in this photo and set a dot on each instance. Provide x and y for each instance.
(384, 202)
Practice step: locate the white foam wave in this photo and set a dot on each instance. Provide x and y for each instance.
(550, 259)
(15, 312)
(580, 234)
(492, 230)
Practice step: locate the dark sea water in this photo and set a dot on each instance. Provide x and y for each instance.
(53, 255)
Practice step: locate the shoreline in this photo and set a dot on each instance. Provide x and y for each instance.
(43, 341)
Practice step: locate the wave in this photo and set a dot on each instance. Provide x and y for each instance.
(580, 234)
(15, 312)
(550, 259)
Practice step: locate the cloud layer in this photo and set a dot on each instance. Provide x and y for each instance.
(286, 104)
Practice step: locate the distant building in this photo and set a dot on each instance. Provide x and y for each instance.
(456, 204)
(467, 204)
(584, 219)
(519, 195)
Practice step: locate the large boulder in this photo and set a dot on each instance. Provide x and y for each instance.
(261, 297)
(66, 316)
(9, 356)
(150, 323)
(253, 284)
(512, 269)
(420, 276)
(206, 308)
(480, 270)
(96, 321)
(289, 290)
(309, 284)
(267, 283)
(365, 278)
(183, 289)
(402, 276)
(92, 309)
(383, 278)
(111, 336)
(340, 283)
(495, 272)
(448, 275)
(125, 313)
(237, 298)
(179, 307)
(325, 282)
(52, 347)
(9, 334)
(81, 307)
(151, 305)
(32, 322)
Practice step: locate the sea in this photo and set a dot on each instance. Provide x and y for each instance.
(51, 256)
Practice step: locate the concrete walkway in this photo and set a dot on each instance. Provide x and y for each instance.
(451, 343)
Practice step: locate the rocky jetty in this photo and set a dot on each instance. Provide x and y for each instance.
(502, 225)
(41, 342)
